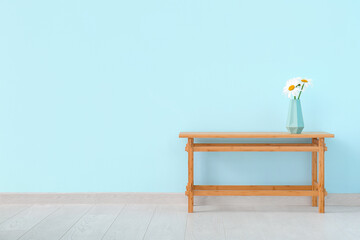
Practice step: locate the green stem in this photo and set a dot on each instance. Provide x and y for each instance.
(301, 91)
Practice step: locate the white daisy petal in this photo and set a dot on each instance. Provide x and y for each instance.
(306, 81)
(292, 87)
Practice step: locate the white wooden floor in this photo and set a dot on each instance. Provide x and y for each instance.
(171, 221)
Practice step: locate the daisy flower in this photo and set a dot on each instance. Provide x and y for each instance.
(292, 87)
(306, 81)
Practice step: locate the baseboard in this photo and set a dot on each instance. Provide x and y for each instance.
(344, 199)
(91, 198)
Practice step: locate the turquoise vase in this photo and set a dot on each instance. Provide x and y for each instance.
(295, 122)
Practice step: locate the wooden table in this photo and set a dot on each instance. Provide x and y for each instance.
(316, 190)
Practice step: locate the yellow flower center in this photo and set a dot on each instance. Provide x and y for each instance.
(292, 87)
(304, 80)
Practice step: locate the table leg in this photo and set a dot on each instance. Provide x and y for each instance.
(190, 175)
(321, 176)
(314, 173)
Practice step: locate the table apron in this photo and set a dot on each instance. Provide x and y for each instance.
(255, 147)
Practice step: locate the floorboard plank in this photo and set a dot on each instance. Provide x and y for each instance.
(168, 223)
(132, 223)
(8, 211)
(293, 222)
(16, 226)
(245, 225)
(54, 226)
(95, 223)
(207, 226)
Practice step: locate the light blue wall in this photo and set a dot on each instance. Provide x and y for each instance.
(93, 94)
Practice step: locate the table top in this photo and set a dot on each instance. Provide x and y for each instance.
(254, 135)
